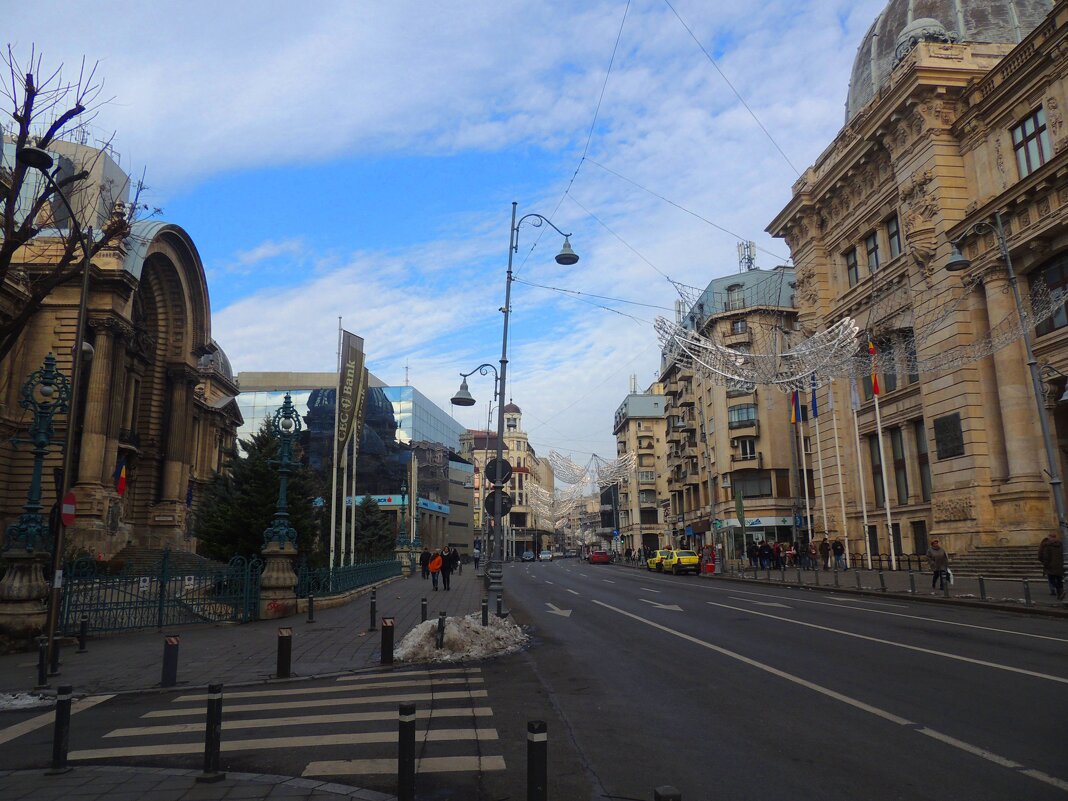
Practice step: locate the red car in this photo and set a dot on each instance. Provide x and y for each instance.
(600, 557)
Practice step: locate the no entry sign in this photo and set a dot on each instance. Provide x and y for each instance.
(69, 509)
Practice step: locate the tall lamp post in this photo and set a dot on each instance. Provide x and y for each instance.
(566, 257)
(41, 160)
(957, 262)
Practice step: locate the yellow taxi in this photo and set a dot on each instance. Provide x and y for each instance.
(681, 562)
(656, 561)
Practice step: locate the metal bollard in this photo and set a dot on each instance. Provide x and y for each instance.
(485, 611)
(945, 587)
(423, 611)
(768, 576)
(440, 641)
(374, 610)
(213, 736)
(42, 663)
(387, 641)
(311, 608)
(537, 761)
(83, 633)
(836, 576)
(882, 581)
(799, 579)
(982, 588)
(169, 676)
(816, 573)
(285, 653)
(856, 575)
(61, 730)
(912, 582)
(405, 750)
(666, 793)
(1027, 593)
(53, 668)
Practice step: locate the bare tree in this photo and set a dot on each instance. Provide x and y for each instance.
(41, 248)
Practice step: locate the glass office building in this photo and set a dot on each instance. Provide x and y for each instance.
(419, 420)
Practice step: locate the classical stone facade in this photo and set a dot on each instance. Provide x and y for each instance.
(157, 394)
(951, 120)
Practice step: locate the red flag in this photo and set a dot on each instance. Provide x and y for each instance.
(874, 377)
(120, 476)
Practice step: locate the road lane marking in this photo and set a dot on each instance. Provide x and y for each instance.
(658, 605)
(264, 743)
(555, 610)
(336, 688)
(48, 718)
(303, 720)
(853, 702)
(930, 651)
(572, 592)
(608, 581)
(362, 767)
(866, 601)
(911, 617)
(321, 702)
(647, 589)
(547, 581)
(760, 603)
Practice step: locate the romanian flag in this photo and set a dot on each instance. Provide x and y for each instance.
(795, 407)
(120, 476)
(874, 376)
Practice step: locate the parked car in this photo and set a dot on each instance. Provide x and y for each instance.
(681, 562)
(600, 558)
(528, 556)
(656, 561)
(546, 556)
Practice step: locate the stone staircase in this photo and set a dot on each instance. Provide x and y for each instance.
(140, 560)
(1002, 561)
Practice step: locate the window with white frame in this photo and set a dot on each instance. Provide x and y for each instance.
(893, 237)
(851, 266)
(1030, 141)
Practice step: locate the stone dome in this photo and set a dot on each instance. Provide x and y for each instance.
(511, 408)
(217, 361)
(902, 24)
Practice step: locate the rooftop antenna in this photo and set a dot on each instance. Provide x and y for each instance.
(746, 256)
(633, 383)
(406, 373)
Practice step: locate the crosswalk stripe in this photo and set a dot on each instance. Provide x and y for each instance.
(306, 720)
(338, 688)
(363, 767)
(373, 677)
(229, 709)
(262, 744)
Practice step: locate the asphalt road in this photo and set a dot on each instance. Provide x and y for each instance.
(735, 691)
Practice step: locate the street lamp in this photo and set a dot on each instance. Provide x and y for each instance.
(402, 533)
(956, 263)
(566, 257)
(286, 425)
(41, 160)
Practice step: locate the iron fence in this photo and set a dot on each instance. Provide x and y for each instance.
(324, 581)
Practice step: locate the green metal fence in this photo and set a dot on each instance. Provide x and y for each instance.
(324, 581)
(159, 596)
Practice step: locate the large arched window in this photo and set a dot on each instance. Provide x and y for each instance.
(1055, 273)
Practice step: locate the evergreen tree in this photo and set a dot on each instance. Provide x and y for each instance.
(240, 502)
(374, 539)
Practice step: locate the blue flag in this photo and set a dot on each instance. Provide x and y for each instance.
(815, 409)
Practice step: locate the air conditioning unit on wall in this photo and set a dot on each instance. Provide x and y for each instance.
(734, 443)
(725, 481)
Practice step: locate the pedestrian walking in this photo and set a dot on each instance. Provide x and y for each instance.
(435, 569)
(1051, 555)
(478, 556)
(825, 553)
(838, 549)
(424, 562)
(813, 556)
(938, 561)
(449, 558)
(753, 552)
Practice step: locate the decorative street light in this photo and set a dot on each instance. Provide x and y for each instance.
(41, 160)
(566, 257)
(286, 425)
(402, 532)
(957, 262)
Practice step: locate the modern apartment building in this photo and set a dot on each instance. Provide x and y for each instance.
(640, 427)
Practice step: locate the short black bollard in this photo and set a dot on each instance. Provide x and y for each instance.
(423, 612)
(374, 610)
(61, 731)
(311, 608)
(440, 640)
(666, 793)
(213, 736)
(53, 668)
(882, 581)
(912, 582)
(799, 579)
(856, 575)
(816, 573)
(835, 576)
(537, 761)
(1027, 593)
(169, 676)
(42, 663)
(485, 611)
(285, 653)
(405, 751)
(83, 633)
(387, 641)
(982, 589)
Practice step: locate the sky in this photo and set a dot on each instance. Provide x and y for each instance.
(360, 160)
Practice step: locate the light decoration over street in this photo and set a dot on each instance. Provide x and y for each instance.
(596, 473)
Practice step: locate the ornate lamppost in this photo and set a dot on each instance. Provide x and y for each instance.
(28, 540)
(404, 544)
(280, 538)
(566, 257)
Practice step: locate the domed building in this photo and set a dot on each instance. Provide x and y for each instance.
(954, 135)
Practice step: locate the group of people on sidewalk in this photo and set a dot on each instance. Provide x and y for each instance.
(1050, 554)
(440, 563)
(811, 556)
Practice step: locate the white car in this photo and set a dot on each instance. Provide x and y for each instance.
(545, 556)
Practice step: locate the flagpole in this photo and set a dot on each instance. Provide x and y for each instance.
(337, 420)
(838, 462)
(804, 472)
(819, 456)
(855, 403)
(886, 488)
(352, 522)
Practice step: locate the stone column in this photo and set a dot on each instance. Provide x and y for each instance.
(91, 468)
(176, 465)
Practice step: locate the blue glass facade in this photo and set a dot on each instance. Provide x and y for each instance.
(419, 420)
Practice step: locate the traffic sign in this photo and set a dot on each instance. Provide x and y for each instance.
(498, 471)
(506, 502)
(68, 512)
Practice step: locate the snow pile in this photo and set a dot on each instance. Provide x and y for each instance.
(23, 700)
(465, 638)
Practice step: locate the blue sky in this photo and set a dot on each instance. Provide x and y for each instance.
(359, 159)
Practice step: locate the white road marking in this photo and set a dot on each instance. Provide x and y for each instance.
(555, 610)
(377, 679)
(843, 601)
(265, 743)
(337, 688)
(930, 651)
(572, 592)
(361, 767)
(866, 601)
(760, 603)
(304, 720)
(321, 702)
(853, 702)
(48, 718)
(672, 607)
(547, 581)
(647, 589)
(608, 581)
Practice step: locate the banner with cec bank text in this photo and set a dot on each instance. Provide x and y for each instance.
(351, 387)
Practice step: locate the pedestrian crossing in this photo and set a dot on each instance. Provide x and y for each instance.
(348, 726)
